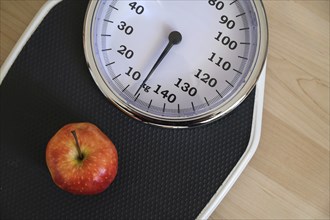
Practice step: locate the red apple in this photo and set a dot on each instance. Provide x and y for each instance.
(81, 159)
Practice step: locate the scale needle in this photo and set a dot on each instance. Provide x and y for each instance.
(173, 38)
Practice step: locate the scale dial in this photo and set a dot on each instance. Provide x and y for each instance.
(176, 63)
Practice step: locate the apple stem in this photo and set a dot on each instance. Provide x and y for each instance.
(80, 155)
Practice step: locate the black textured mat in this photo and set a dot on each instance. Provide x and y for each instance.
(163, 173)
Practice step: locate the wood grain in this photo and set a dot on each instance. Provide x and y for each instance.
(288, 178)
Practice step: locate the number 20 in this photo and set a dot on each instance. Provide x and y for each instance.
(127, 53)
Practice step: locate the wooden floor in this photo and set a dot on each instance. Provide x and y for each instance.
(288, 178)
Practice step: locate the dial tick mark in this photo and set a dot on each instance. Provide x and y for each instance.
(125, 88)
(237, 71)
(113, 7)
(229, 83)
(116, 77)
(244, 58)
(233, 2)
(240, 15)
(219, 93)
(206, 101)
(149, 103)
(243, 29)
(136, 97)
(193, 106)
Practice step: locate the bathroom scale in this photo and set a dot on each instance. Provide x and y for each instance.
(177, 86)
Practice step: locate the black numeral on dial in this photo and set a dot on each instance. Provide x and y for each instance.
(139, 9)
(225, 40)
(127, 53)
(123, 27)
(184, 86)
(134, 74)
(224, 65)
(169, 97)
(206, 78)
(217, 4)
(229, 23)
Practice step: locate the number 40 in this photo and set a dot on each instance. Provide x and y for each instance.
(139, 9)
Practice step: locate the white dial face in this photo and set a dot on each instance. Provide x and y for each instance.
(174, 60)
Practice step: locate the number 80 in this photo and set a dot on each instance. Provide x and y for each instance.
(218, 4)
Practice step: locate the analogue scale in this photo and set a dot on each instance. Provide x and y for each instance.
(176, 63)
